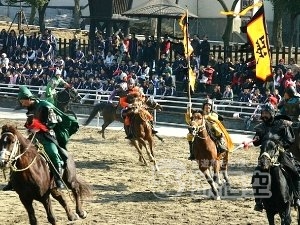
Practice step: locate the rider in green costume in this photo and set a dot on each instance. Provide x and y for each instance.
(56, 81)
(52, 129)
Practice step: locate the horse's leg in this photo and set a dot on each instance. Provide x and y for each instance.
(270, 216)
(79, 188)
(216, 168)
(30, 210)
(224, 167)
(285, 216)
(141, 157)
(149, 150)
(210, 180)
(105, 124)
(48, 207)
(58, 195)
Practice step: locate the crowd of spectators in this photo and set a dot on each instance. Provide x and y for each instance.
(33, 60)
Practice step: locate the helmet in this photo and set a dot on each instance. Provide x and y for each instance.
(268, 107)
(291, 91)
(207, 101)
(122, 76)
(131, 81)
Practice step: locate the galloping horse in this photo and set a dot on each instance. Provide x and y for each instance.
(206, 154)
(142, 133)
(281, 197)
(63, 99)
(109, 112)
(31, 177)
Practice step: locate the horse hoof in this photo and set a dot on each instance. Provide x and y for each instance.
(83, 215)
(74, 217)
(217, 198)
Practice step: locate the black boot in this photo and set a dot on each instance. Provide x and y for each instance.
(296, 184)
(192, 155)
(128, 132)
(8, 187)
(58, 177)
(221, 144)
(152, 126)
(258, 205)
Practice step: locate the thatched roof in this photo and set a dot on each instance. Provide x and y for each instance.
(158, 9)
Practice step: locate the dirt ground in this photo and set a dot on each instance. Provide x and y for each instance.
(126, 192)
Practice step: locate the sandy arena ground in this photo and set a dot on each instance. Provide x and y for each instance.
(125, 192)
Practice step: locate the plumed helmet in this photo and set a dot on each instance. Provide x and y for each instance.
(122, 76)
(131, 81)
(268, 107)
(207, 101)
(291, 91)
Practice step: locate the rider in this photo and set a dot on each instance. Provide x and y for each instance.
(122, 86)
(52, 129)
(272, 125)
(132, 89)
(219, 133)
(56, 81)
(290, 104)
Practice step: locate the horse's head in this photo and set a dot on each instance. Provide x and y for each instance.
(197, 124)
(153, 104)
(66, 95)
(9, 145)
(269, 153)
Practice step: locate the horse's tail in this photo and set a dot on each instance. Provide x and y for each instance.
(85, 189)
(97, 108)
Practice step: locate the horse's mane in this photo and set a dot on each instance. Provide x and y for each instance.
(13, 129)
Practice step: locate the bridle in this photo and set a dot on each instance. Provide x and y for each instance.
(274, 158)
(199, 128)
(14, 154)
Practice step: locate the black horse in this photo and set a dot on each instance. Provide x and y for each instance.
(63, 99)
(111, 113)
(278, 192)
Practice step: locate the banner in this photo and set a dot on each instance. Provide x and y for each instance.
(257, 34)
(188, 49)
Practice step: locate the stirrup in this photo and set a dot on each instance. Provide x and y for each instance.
(296, 202)
(59, 183)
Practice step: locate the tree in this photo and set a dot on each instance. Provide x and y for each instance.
(228, 29)
(40, 5)
(76, 14)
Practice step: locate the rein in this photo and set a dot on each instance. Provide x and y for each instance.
(199, 129)
(15, 150)
(274, 159)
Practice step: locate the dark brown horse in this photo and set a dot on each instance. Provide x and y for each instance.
(32, 180)
(111, 113)
(142, 134)
(206, 154)
(64, 97)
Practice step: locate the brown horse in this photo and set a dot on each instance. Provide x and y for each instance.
(206, 154)
(142, 133)
(109, 112)
(31, 177)
(64, 97)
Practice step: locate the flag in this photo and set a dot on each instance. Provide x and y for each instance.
(243, 12)
(188, 49)
(257, 34)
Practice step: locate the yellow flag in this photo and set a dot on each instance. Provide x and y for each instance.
(188, 49)
(257, 33)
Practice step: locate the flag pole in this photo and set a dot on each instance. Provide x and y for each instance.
(188, 60)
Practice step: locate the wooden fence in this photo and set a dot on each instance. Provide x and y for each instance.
(234, 51)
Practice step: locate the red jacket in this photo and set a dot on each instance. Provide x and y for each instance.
(123, 100)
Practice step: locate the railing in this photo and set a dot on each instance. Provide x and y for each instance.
(173, 106)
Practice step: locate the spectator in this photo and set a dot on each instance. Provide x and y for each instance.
(228, 93)
(205, 50)
(216, 94)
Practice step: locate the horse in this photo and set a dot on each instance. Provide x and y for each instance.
(109, 113)
(280, 196)
(64, 97)
(141, 130)
(32, 180)
(206, 154)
